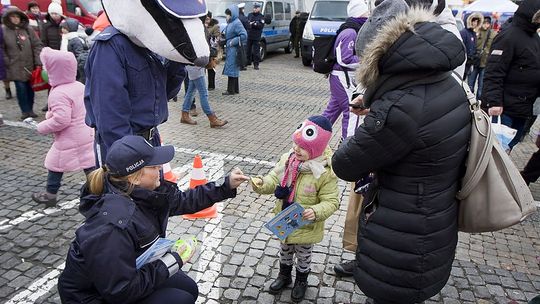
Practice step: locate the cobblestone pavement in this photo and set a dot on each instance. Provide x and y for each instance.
(239, 257)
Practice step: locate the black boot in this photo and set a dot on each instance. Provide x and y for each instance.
(236, 86)
(8, 93)
(345, 269)
(300, 286)
(230, 86)
(283, 280)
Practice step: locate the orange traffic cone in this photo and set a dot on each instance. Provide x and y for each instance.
(198, 178)
(168, 174)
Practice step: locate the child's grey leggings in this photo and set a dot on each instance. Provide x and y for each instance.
(303, 256)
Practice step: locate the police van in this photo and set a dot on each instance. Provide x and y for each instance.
(277, 17)
(325, 18)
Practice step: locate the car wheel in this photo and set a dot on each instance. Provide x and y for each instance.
(306, 61)
(289, 48)
(263, 50)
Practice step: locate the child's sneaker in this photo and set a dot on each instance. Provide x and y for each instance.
(45, 198)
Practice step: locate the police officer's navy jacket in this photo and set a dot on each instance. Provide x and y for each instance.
(127, 87)
(100, 266)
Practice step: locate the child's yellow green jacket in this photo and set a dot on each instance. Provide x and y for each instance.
(320, 194)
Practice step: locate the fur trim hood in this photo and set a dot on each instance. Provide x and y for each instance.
(477, 16)
(15, 11)
(411, 42)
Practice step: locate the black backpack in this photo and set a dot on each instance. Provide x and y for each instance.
(324, 56)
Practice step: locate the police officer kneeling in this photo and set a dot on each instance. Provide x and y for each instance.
(127, 206)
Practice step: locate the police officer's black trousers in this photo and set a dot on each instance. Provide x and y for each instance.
(254, 51)
(177, 289)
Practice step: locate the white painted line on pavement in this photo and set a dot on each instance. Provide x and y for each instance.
(33, 214)
(213, 164)
(18, 124)
(226, 157)
(38, 287)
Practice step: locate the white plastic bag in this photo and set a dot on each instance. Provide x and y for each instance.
(504, 133)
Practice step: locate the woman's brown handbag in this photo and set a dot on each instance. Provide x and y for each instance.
(493, 195)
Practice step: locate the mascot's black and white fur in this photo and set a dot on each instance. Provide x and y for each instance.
(169, 28)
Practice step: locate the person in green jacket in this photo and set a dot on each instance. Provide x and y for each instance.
(484, 40)
(304, 176)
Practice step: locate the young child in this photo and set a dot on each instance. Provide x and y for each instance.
(73, 146)
(303, 175)
(74, 43)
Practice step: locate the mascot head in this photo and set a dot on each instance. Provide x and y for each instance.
(169, 28)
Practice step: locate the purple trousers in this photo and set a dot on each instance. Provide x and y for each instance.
(339, 101)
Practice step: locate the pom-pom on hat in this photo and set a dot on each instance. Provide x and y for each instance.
(313, 135)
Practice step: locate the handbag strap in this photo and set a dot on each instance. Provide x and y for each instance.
(470, 182)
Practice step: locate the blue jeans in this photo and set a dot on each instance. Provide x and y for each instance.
(477, 73)
(25, 96)
(54, 180)
(514, 123)
(177, 289)
(198, 84)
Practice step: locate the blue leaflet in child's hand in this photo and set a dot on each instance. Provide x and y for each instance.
(287, 221)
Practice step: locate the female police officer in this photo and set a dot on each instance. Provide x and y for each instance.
(127, 206)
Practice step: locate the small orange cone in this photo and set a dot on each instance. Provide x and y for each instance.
(168, 174)
(198, 178)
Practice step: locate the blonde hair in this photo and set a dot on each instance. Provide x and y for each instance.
(96, 180)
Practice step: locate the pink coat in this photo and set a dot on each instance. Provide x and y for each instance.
(72, 149)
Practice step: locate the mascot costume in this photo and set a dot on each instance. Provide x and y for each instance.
(137, 64)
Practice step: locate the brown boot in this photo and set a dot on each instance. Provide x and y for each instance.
(216, 122)
(186, 119)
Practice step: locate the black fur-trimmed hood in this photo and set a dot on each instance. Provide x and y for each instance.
(412, 42)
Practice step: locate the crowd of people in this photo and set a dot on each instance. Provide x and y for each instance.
(404, 135)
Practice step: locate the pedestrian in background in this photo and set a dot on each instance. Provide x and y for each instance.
(256, 25)
(512, 75)
(126, 208)
(196, 77)
(21, 51)
(197, 83)
(73, 146)
(304, 176)
(242, 16)
(483, 48)
(35, 18)
(235, 35)
(296, 35)
(469, 37)
(74, 43)
(50, 32)
(214, 36)
(342, 78)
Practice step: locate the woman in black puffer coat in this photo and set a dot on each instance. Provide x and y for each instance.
(415, 140)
